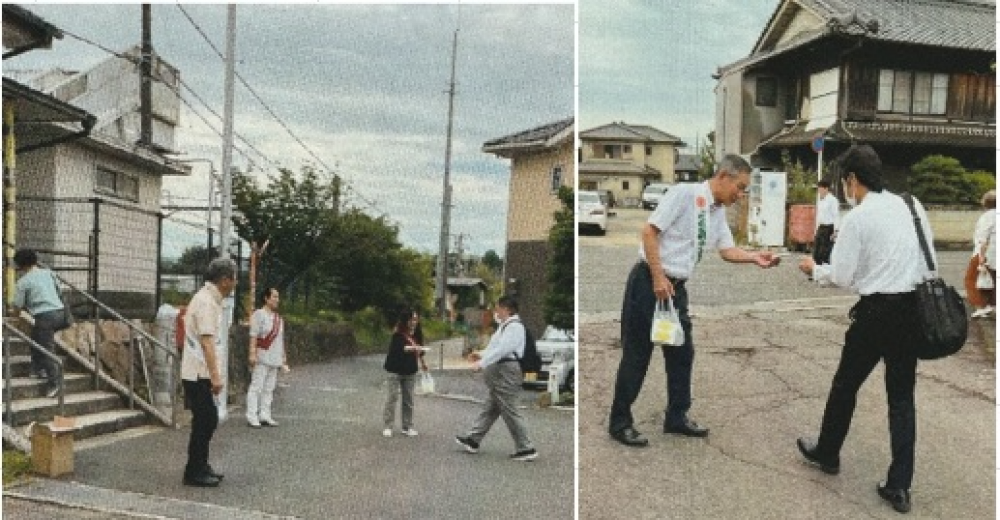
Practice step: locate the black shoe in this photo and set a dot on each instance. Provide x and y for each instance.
(630, 437)
(470, 445)
(525, 455)
(808, 451)
(688, 428)
(899, 498)
(210, 471)
(203, 480)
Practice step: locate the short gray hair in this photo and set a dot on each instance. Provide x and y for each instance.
(220, 268)
(733, 164)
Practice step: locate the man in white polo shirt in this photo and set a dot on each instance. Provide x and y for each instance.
(689, 219)
(200, 368)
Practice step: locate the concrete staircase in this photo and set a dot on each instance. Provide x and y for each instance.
(101, 416)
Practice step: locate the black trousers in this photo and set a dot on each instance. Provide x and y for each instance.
(823, 245)
(204, 420)
(637, 351)
(883, 328)
(44, 333)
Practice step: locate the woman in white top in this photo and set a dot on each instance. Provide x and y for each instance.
(983, 259)
(267, 356)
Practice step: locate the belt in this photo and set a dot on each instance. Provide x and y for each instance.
(889, 297)
(676, 282)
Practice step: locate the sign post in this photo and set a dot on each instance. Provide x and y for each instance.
(818, 141)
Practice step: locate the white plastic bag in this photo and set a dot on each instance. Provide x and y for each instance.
(426, 383)
(666, 328)
(983, 279)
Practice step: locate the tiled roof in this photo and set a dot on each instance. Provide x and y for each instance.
(687, 162)
(978, 136)
(619, 167)
(955, 24)
(620, 131)
(962, 24)
(541, 134)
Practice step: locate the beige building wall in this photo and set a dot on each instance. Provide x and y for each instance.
(532, 200)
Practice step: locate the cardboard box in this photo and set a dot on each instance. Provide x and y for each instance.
(52, 447)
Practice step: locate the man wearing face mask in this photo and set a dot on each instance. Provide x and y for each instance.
(878, 256)
(503, 378)
(689, 219)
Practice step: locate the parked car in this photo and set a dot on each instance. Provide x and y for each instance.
(591, 212)
(557, 348)
(651, 194)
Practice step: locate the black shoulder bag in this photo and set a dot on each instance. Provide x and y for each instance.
(944, 325)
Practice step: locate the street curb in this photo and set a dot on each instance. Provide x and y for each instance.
(137, 505)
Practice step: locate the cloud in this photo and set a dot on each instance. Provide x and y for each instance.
(651, 62)
(364, 86)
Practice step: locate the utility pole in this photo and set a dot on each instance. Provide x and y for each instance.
(146, 80)
(442, 263)
(227, 136)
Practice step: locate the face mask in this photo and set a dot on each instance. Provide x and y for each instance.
(852, 199)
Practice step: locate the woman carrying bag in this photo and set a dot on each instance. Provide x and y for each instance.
(980, 277)
(401, 362)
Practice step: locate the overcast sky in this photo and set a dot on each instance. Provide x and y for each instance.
(364, 87)
(651, 62)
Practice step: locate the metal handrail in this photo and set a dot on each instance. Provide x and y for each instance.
(7, 376)
(132, 344)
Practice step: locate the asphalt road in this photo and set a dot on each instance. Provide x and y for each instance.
(328, 458)
(604, 263)
(767, 343)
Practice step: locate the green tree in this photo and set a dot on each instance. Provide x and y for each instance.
(492, 261)
(801, 180)
(323, 256)
(293, 214)
(559, 303)
(939, 179)
(707, 167)
(980, 181)
(193, 260)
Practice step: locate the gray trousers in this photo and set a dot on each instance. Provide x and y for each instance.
(504, 383)
(396, 384)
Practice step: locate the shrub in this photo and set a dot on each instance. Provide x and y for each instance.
(939, 179)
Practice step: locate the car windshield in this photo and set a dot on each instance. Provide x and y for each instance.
(589, 196)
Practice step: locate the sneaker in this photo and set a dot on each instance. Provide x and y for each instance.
(525, 455)
(387, 432)
(253, 423)
(409, 432)
(982, 313)
(470, 445)
(269, 422)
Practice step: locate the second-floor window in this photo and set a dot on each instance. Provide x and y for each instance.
(117, 184)
(625, 185)
(911, 92)
(556, 177)
(649, 150)
(617, 151)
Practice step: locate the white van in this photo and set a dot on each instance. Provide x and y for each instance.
(651, 194)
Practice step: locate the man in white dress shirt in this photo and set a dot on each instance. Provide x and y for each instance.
(827, 215)
(690, 219)
(503, 377)
(879, 257)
